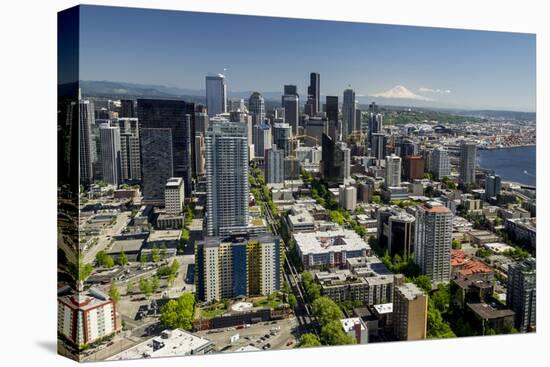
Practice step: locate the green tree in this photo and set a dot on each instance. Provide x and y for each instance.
(114, 293)
(332, 333)
(174, 267)
(171, 279)
(155, 254)
(178, 314)
(122, 259)
(376, 199)
(130, 288)
(142, 259)
(308, 340)
(155, 283)
(163, 250)
(456, 245)
(337, 217)
(292, 301)
(326, 310)
(145, 287)
(423, 282)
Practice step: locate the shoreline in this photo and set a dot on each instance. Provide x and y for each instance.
(508, 147)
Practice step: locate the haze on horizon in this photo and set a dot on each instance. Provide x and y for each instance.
(447, 68)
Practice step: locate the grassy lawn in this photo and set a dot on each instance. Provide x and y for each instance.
(212, 311)
(265, 302)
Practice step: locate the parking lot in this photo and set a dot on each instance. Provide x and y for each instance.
(264, 335)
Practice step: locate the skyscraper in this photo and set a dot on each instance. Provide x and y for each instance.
(127, 108)
(468, 156)
(216, 94)
(440, 163)
(335, 161)
(332, 114)
(261, 138)
(110, 154)
(313, 92)
(291, 104)
(86, 120)
(348, 112)
(174, 196)
(393, 171)
(413, 167)
(173, 115)
(290, 89)
(375, 125)
(521, 293)
(492, 186)
(156, 162)
(281, 133)
(379, 142)
(433, 234)
(274, 165)
(130, 158)
(256, 108)
(227, 177)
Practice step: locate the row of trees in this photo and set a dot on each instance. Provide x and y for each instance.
(178, 314)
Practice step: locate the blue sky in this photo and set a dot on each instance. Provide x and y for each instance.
(451, 68)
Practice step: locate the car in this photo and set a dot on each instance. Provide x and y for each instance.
(266, 336)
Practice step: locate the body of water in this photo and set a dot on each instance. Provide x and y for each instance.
(512, 164)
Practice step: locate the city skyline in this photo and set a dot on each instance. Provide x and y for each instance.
(436, 67)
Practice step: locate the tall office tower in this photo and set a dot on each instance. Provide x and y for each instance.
(291, 104)
(199, 153)
(201, 122)
(127, 108)
(256, 108)
(492, 186)
(331, 108)
(174, 196)
(414, 167)
(410, 312)
(314, 92)
(375, 127)
(261, 138)
(173, 115)
(156, 162)
(396, 231)
(358, 120)
(440, 163)
(110, 154)
(468, 156)
(274, 165)
(393, 171)
(348, 113)
(130, 158)
(281, 136)
(292, 168)
(378, 146)
(237, 266)
(315, 128)
(347, 197)
(86, 120)
(290, 89)
(521, 293)
(335, 161)
(373, 108)
(227, 177)
(433, 234)
(407, 148)
(216, 95)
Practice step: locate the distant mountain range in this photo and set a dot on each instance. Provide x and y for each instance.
(116, 90)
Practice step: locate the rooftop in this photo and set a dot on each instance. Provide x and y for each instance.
(384, 308)
(490, 311)
(329, 241)
(171, 343)
(349, 324)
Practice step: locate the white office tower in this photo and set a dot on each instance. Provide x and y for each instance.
(433, 234)
(347, 196)
(393, 171)
(348, 113)
(130, 160)
(174, 195)
(274, 165)
(216, 94)
(468, 155)
(227, 177)
(86, 120)
(110, 154)
(256, 108)
(261, 138)
(440, 163)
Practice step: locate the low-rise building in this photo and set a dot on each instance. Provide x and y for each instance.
(357, 329)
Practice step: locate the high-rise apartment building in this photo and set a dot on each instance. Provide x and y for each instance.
(468, 157)
(174, 196)
(227, 268)
(440, 164)
(261, 137)
(216, 95)
(110, 154)
(274, 165)
(410, 312)
(227, 177)
(521, 293)
(393, 171)
(433, 234)
(281, 133)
